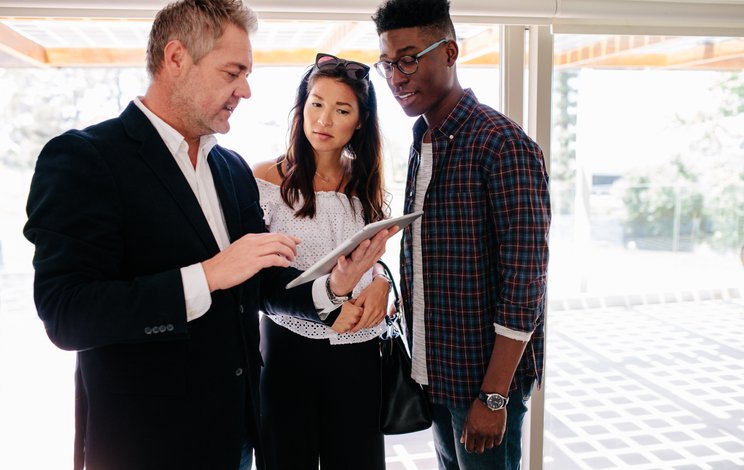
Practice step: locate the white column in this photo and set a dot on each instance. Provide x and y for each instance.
(511, 68)
(539, 109)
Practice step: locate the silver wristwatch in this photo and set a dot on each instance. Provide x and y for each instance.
(493, 401)
(335, 299)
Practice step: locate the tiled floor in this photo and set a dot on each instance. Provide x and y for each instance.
(647, 387)
(410, 452)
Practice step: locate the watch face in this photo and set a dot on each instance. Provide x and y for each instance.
(495, 402)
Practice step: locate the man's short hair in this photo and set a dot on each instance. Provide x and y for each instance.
(198, 24)
(432, 15)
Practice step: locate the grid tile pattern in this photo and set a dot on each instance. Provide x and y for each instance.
(647, 387)
(644, 387)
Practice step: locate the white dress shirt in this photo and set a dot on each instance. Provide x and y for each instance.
(195, 288)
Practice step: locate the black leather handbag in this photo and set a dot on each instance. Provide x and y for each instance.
(404, 407)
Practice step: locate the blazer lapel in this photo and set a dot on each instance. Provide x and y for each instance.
(225, 186)
(155, 154)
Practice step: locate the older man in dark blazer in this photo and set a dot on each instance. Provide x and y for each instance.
(152, 259)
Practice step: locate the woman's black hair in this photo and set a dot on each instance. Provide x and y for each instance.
(364, 178)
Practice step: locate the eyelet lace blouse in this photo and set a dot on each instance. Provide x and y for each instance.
(335, 220)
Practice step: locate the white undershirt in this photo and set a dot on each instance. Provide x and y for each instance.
(423, 178)
(196, 293)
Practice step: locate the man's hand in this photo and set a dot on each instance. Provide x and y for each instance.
(484, 429)
(373, 300)
(247, 256)
(349, 270)
(348, 318)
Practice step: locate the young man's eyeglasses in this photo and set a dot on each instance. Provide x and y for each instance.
(408, 64)
(354, 70)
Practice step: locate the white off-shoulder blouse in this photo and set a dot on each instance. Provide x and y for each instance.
(335, 220)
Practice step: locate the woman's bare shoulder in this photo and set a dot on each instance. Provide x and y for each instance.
(268, 171)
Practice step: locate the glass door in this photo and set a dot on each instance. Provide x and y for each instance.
(645, 355)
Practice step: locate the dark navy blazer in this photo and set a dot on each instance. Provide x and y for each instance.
(113, 220)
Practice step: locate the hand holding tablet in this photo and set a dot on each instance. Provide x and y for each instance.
(325, 264)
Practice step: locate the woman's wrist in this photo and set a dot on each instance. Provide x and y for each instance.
(385, 278)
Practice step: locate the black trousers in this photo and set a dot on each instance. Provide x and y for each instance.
(319, 403)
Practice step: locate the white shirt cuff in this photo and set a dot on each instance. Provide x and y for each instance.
(512, 334)
(195, 291)
(323, 304)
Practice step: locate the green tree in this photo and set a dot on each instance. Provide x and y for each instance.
(664, 208)
(563, 152)
(705, 186)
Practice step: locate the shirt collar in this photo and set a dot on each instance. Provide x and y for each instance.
(454, 120)
(172, 138)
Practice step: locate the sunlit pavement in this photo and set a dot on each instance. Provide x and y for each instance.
(648, 386)
(653, 384)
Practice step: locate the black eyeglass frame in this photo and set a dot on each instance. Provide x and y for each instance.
(359, 71)
(387, 73)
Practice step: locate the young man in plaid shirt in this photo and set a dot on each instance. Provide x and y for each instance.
(474, 266)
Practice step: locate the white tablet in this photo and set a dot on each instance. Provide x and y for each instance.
(326, 263)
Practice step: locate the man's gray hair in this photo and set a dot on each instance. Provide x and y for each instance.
(198, 24)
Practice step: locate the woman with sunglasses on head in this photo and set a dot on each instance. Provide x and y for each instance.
(323, 409)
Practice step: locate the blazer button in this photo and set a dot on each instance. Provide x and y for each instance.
(161, 329)
(148, 330)
(241, 309)
(169, 327)
(238, 371)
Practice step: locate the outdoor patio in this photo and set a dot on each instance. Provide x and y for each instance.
(649, 386)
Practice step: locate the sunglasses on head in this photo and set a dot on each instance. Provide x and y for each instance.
(354, 70)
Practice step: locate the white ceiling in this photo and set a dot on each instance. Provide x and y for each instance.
(710, 14)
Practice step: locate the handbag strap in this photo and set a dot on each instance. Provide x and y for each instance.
(395, 323)
(389, 274)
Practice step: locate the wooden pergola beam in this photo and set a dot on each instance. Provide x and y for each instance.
(492, 59)
(21, 47)
(264, 57)
(724, 55)
(707, 55)
(336, 38)
(481, 49)
(605, 50)
(731, 65)
(483, 44)
(91, 57)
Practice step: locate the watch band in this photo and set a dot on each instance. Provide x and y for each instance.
(335, 299)
(494, 401)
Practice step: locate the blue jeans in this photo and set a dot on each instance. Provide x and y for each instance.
(246, 456)
(447, 427)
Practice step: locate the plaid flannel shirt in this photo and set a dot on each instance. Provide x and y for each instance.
(484, 238)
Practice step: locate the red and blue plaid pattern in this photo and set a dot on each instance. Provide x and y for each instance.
(484, 237)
